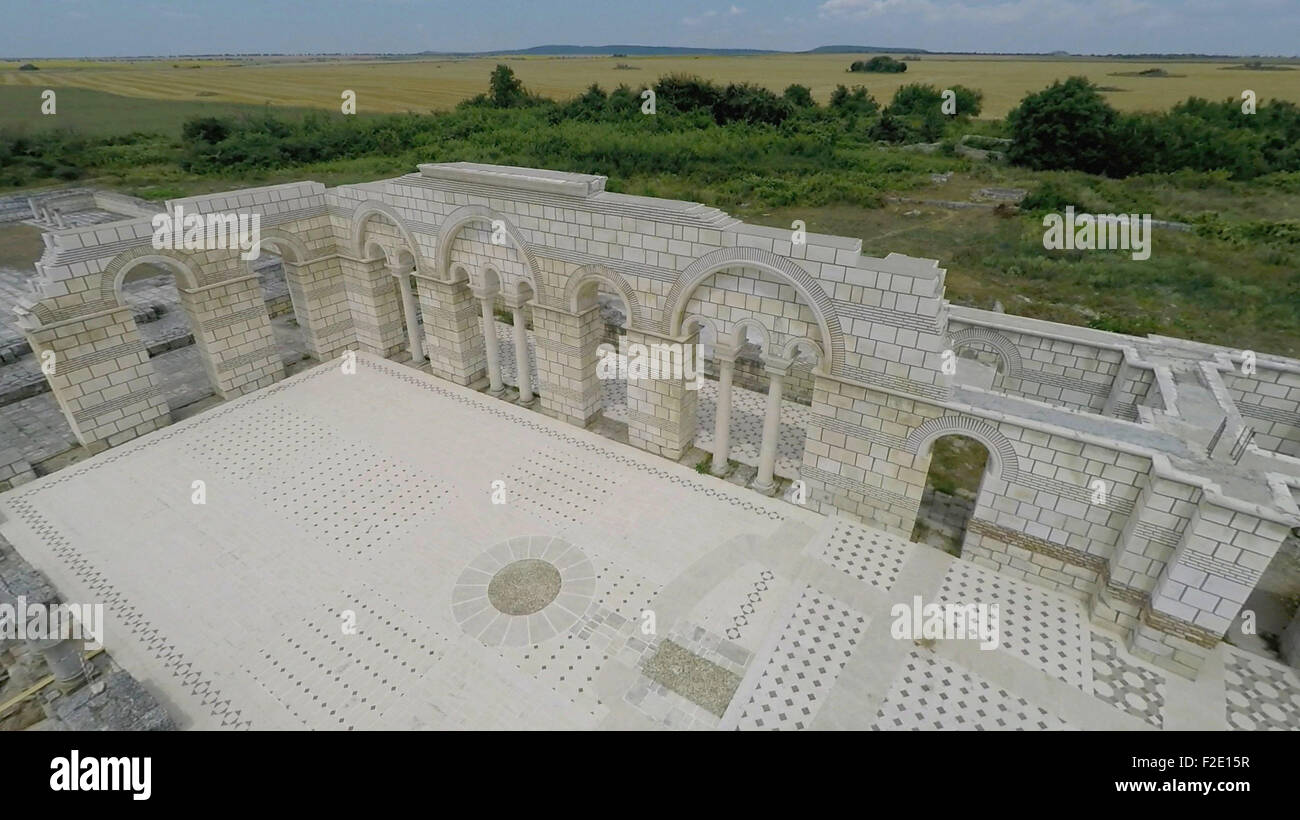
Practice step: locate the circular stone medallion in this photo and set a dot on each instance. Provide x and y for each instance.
(524, 591)
(524, 587)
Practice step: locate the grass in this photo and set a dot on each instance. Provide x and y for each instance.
(1192, 287)
(438, 84)
(98, 113)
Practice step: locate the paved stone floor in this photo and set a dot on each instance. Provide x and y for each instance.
(36, 426)
(343, 570)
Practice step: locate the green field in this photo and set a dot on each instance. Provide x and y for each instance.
(99, 113)
(1235, 281)
(438, 84)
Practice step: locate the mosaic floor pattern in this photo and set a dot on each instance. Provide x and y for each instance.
(355, 566)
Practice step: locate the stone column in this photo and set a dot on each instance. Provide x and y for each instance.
(375, 306)
(566, 345)
(722, 412)
(523, 370)
(233, 335)
(661, 406)
(485, 299)
(320, 305)
(415, 345)
(1223, 553)
(776, 372)
(101, 376)
(453, 341)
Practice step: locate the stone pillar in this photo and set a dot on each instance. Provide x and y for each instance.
(453, 341)
(234, 336)
(320, 305)
(1223, 553)
(776, 372)
(413, 332)
(523, 367)
(101, 377)
(490, 346)
(566, 345)
(661, 407)
(375, 306)
(722, 416)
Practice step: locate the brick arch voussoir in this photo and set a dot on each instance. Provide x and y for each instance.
(807, 286)
(998, 445)
(1001, 344)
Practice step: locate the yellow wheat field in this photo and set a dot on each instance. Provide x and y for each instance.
(437, 84)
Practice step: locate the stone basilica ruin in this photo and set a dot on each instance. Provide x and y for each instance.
(1153, 480)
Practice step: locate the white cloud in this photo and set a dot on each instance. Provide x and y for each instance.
(734, 11)
(998, 12)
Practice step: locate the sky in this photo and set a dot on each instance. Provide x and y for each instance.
(118, 28)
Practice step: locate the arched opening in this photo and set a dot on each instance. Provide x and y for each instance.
(272, 268)
(518, 352)
(754, 404)
(613, 318)
(1274, 627)
(151, 287)
(953, 482)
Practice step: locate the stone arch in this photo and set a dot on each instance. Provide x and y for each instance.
(588, 274)
(1006, 462)
(1001, 344)
(703, 322)
(791, 349)
(487, 279)
(367, 209)
(802, 281)
(110, 283)
(521, 291)
(457, 219)
(285, 241)
(739, 336)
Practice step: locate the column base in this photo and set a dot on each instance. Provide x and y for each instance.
(769, 490)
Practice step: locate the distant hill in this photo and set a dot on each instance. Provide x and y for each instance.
(631, 51)
(668, 51)
(863, 50)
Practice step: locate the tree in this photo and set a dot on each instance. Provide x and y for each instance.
(856, 101)
(507, 89)
(1065, 126)
(752, 104)
(880, 65)
(799, 96)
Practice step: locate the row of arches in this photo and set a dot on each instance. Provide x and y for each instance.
(958, 462)
(733, 302)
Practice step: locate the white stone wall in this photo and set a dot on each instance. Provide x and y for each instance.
(1269, 401)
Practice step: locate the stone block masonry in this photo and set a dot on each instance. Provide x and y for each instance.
(1102, 481)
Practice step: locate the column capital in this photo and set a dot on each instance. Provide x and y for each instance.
(726, 353)
(483, 294)
(777, 366)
